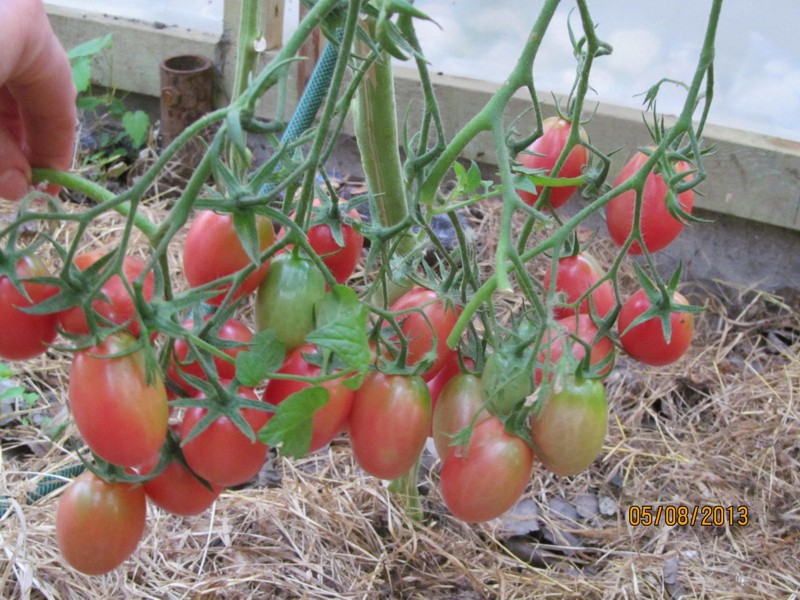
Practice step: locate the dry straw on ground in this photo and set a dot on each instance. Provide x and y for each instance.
(719, 428)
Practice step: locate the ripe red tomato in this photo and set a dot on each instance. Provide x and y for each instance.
(177, 491)
(122, 418)
(99, 524)
(485, 480)
(286, 299)
(433, 318)
(645, 342)
(543, 154)
(118, 307)
(341, 260)
(389, 423)
(233, 331)
(23, 335)
(212, 250)
(574, 276)
(222, 454)
(659, 228)
(569, 430)
(460, 401)
(450, 369)
(582, 328)
(329, 420)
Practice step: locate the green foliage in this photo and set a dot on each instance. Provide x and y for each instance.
(135, 124)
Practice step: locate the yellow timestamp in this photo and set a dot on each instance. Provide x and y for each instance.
(705, 515)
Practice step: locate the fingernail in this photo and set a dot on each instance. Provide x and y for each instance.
(13, 184)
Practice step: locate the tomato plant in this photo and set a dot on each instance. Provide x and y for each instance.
(120, 414)
(213, 250)
(329, 420)
(24, 335)
(569, 428)
(485, 479)
(231, 330)
(575, 276)
(286, 299)
(659, 226)
(115, 304)
(177, 490)
(646, 341)
(543, 153)
(222, 454)
(461, 403)
(389, 423)
(429, 321)
(584, 334)
(99, 524)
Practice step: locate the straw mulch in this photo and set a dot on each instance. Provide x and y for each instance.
(719, 428)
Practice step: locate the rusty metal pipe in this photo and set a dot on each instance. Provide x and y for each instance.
(187, 91)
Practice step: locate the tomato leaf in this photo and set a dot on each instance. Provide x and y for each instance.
(90, 48)
(82, 73)
(265, 356)
(342, 327)
(136, 125)
(290, 428)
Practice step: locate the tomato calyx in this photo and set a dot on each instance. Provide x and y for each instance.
(221, 399)
(663, 301)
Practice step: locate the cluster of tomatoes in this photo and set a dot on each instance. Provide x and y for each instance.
(177, 429)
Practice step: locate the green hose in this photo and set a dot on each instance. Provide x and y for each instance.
(50, 483)
(311, 99)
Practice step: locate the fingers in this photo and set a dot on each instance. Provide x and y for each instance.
(45, 95)
(37, 96)
(15, 172)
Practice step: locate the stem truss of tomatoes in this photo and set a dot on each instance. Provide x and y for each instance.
(363, 321)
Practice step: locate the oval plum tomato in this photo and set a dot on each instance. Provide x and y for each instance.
(461, 401)
(575, 275)
(569, 430)
(329, 420)
(450, 369)
(659, 228)
(230, 331)
(222, 454)
(212, 250)
(286, 299)
(433, 318)
(341, 260)
(99, 524)
(118, 307)
(389, 423)
(582, 330)
(23, 335)
(645, 342)
(543, 154)
(486, 479)
(121, 416)
(177, 490)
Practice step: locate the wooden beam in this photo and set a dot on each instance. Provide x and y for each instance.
(751, 176)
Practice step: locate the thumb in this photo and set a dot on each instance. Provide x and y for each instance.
(15, 172)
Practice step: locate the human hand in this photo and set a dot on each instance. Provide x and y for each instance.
(37, 97)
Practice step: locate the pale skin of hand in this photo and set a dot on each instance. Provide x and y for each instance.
(37, 97)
